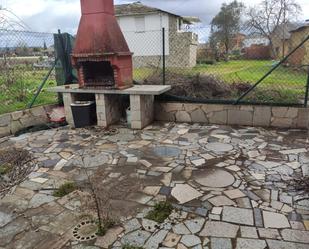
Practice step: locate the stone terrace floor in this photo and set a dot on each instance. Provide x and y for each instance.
(231, 188)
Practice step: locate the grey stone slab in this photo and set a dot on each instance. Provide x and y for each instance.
(221, 243)
(258, 217)
(250, 244)
(181, 229)
(8, 232)
(238, 215)
(295, 235)
(136, 238)
(248, 232)
(275, 220)
(135, 90)
(195, 225)
(221, 201)
(269, 233)
(132, 225)
(5, 218)
(219, 229)
(40, 199)
(277, 244)
(190, 240)
(155, 239)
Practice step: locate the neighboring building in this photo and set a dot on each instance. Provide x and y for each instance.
(280, 39)
(142, 27)
(237, 42)
(301, 55)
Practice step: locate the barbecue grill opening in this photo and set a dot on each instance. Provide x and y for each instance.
(98, 73)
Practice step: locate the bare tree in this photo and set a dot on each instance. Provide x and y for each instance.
(264, 18)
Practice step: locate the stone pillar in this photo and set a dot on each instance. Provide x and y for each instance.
(142, 110)
(108, 109)
(68, 99)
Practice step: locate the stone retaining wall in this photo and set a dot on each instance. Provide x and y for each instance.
(265, 116)
(10, 123)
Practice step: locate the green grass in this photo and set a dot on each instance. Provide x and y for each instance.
(160, 212)
(252, 70)
(5, 169)
(65, 189)
(18, 89)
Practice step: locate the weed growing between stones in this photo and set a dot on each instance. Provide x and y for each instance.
(160, 212)
(65, 189)
(131, 247)
(5, 169)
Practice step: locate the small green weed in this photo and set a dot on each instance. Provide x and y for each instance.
(5, 169)
(160, 212)
(107, 224)
(65, 189)
(131, 247)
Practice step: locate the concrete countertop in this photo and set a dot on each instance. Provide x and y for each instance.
(135, 90)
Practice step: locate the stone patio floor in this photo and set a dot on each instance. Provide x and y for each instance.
(230, 187)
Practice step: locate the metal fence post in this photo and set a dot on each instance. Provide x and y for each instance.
(163, 55)
(307, 89)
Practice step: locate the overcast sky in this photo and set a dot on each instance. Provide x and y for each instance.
(49, 15)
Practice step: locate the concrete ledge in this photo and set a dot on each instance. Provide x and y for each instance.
(264, 116)
(10, 123)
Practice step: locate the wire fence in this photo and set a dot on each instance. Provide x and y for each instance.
(204, 71)
(199, 69)
(25, 59)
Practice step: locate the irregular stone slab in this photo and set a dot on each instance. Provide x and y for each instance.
(137, 238)
(219, 229)
(248, 232)
(277, 244)
(40, 199)
(275, 220)
(220, 243)
(190, 240)
(234, 193)
(269, 233)
(5, 218)
(180, 229)
(171, 240)
(215, 178)
(166, 151)
(293, 151)
(195, 225)
(156, 239)
(221, 200)
(184, 193)
(219, 147)
(238, 215)
(250, 244)
(132, 225)
(8, 232)
(109, 238)
(149, 225)
(295, 235)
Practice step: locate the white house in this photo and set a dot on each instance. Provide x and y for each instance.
(142, 27)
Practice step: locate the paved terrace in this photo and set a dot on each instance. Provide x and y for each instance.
(231, 188)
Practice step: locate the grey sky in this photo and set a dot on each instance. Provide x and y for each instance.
(49, 15)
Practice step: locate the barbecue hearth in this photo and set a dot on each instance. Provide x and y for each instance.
(101, 54)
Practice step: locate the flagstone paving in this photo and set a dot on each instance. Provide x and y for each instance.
(230, 188)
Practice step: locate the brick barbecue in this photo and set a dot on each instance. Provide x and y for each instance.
(101, 54)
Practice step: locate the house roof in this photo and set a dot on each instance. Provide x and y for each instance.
(284, 30)
(138, 8)
(300, 26)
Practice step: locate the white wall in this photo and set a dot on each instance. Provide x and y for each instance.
(149, 42)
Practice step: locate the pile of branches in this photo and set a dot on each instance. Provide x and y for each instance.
(15, 166)
(201, 86)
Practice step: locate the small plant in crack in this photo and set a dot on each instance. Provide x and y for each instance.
(5, 169)
(65, 189)
(102, 204)
(131, 247)
(160, 212)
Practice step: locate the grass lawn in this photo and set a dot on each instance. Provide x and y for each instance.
(17, 94)
(252, 70)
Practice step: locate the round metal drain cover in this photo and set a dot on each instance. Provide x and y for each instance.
(86, 230)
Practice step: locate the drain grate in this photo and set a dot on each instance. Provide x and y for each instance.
(86, 230)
